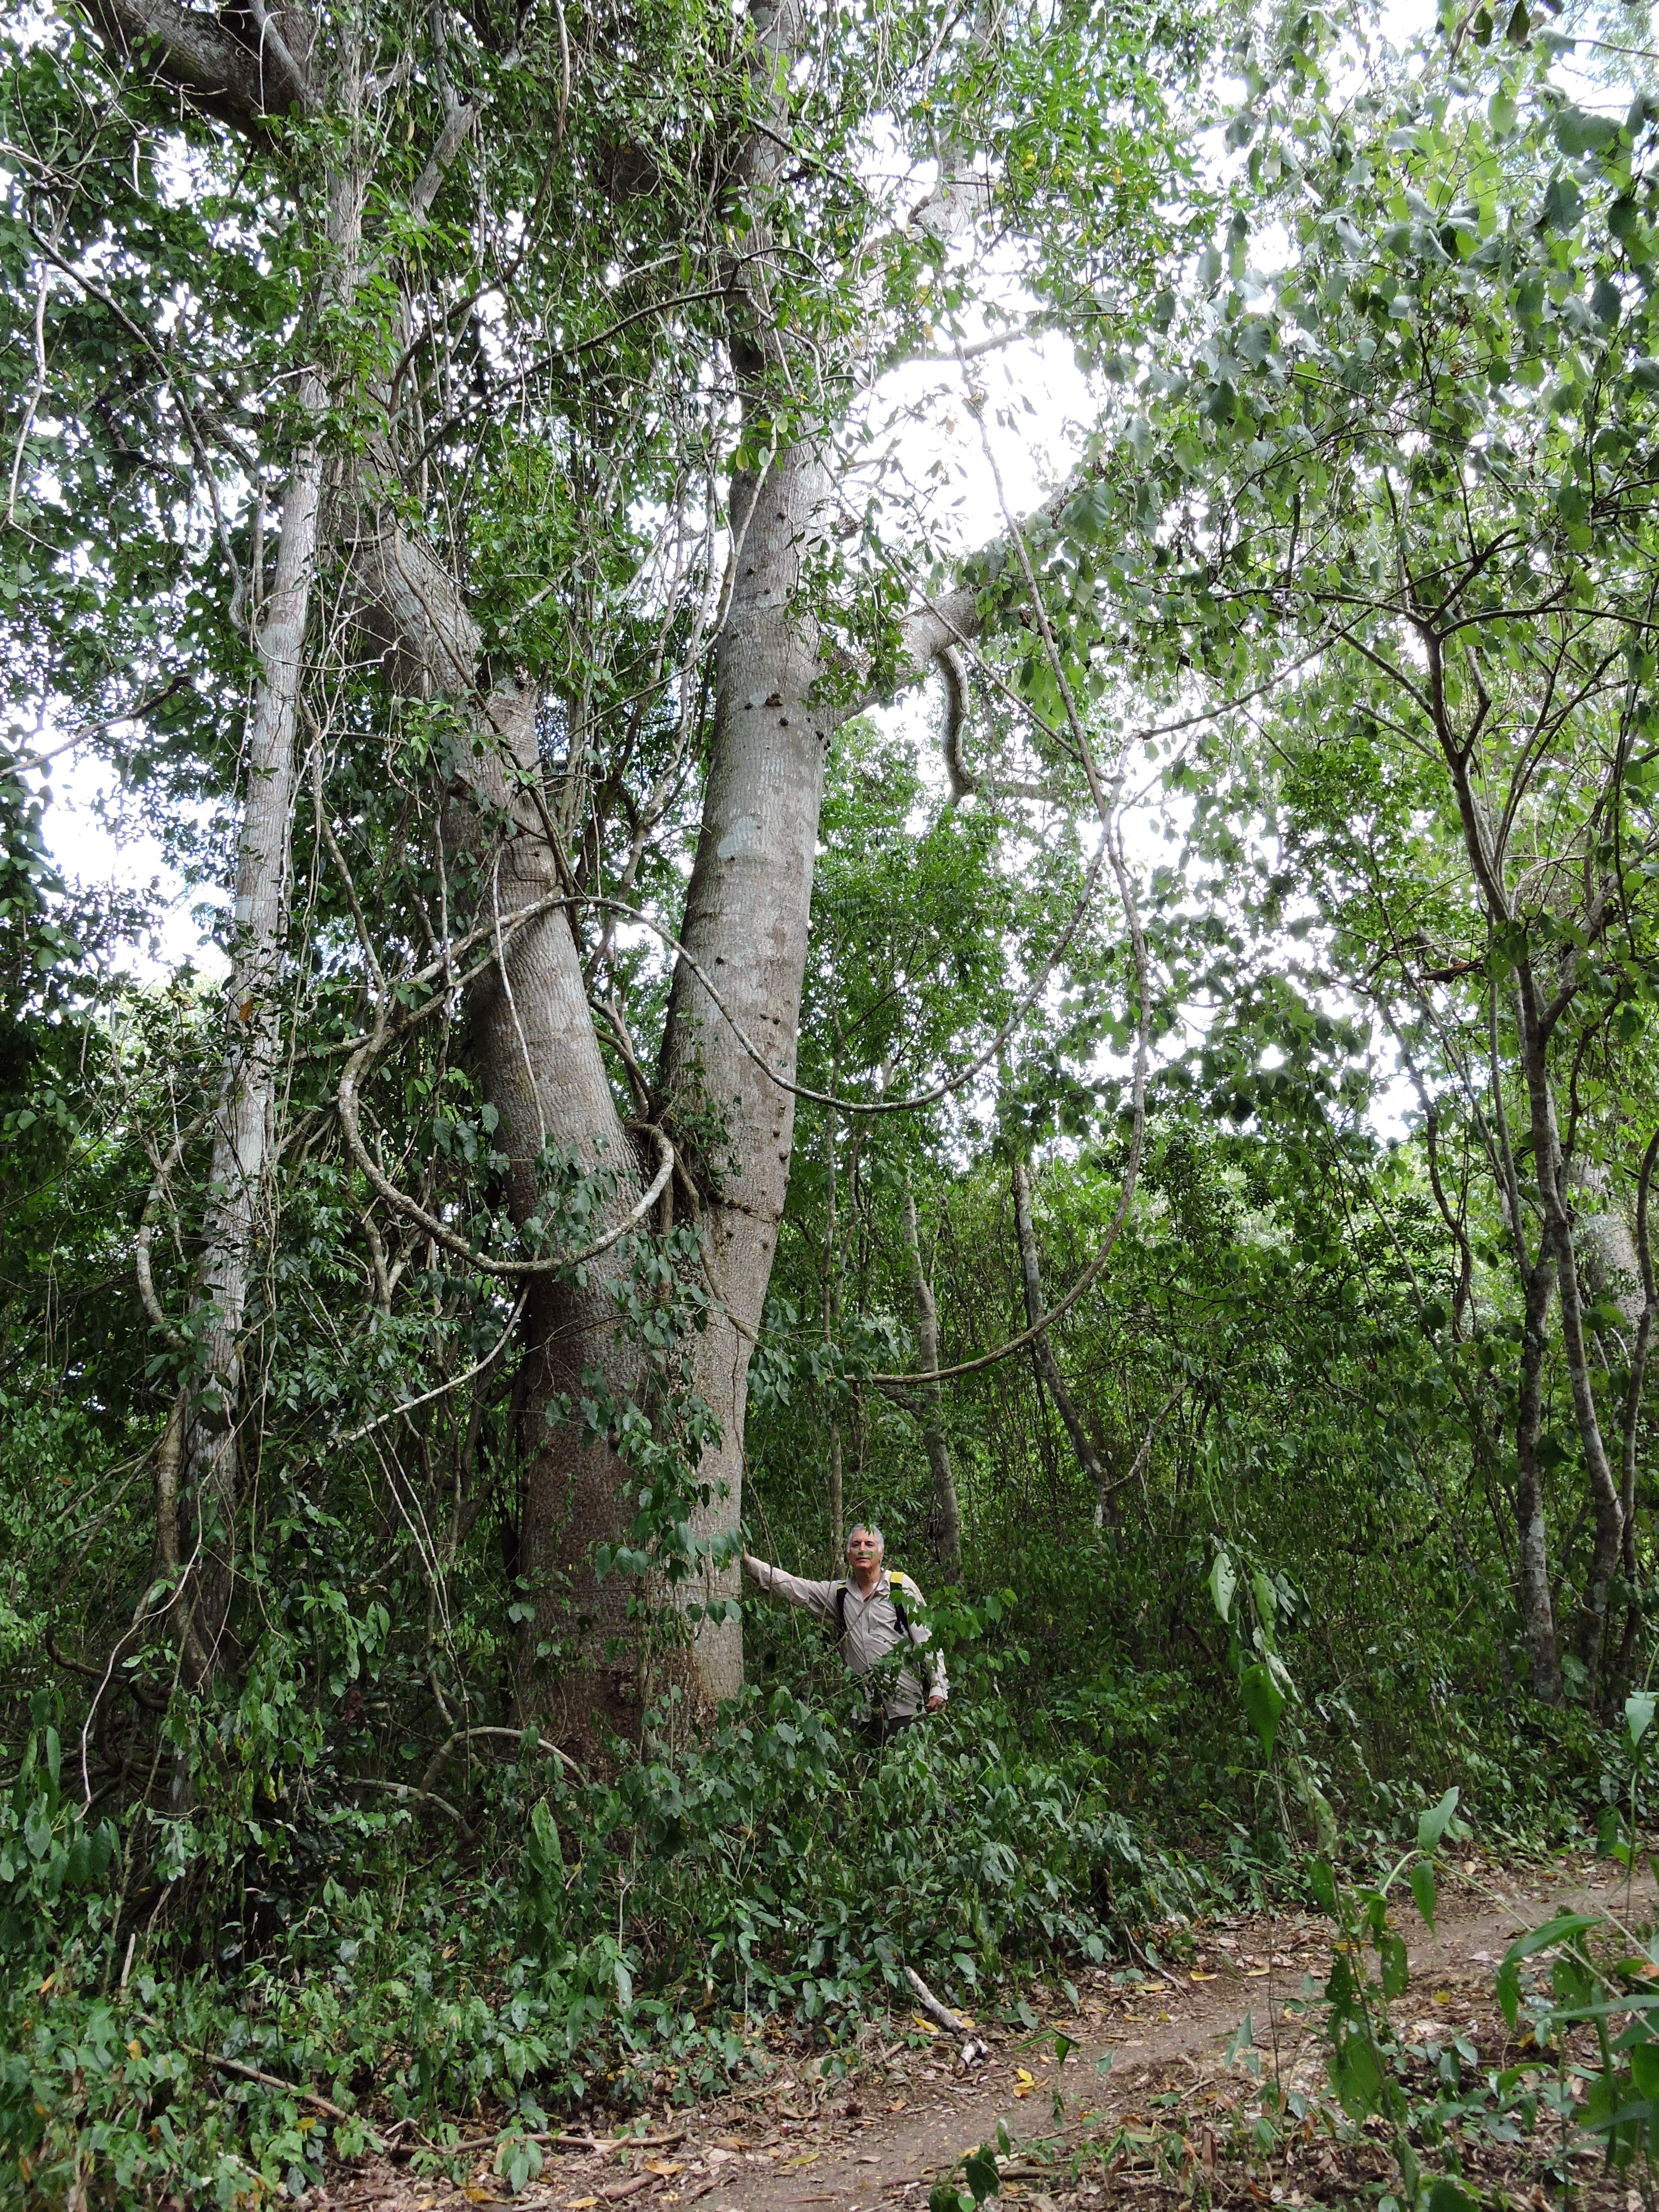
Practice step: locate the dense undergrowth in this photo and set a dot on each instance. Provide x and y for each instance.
(522, 1940)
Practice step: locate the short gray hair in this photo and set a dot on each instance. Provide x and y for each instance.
(866, 1529)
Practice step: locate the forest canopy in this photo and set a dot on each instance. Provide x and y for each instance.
(920, 747)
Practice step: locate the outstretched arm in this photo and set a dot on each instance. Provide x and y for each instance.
(816, 1598)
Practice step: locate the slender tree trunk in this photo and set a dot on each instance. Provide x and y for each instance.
(947, 1514)
(832, 1309)
(238, 1206)
(1536, 1606)
(237, 1201)
(837, 1501)
(1609, 1520)
(1631, 1423)
(1042, 1352)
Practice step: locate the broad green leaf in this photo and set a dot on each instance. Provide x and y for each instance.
(1638, 1712)
(1264, 1701)
(1431, 1825)
(1578, 132)
(1355, 2077)
(1423, 1890)
(1267, 1604)
(1397, 1967)
(979, 2171)
(1561, 1929)
(1562, 204)
(1223, 1583)
(1322, 1882)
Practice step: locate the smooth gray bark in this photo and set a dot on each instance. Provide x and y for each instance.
(542, 1069)
(748, 904)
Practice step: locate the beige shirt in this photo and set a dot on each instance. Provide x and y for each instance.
(872, 1631)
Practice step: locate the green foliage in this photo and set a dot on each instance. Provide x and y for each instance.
(1364, 530)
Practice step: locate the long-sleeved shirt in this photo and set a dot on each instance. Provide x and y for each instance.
(872, 1631)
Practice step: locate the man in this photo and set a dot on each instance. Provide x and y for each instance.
(873, 1612)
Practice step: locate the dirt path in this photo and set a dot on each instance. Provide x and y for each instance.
(886, 2136)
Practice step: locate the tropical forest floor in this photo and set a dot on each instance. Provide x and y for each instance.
(1177, 2118)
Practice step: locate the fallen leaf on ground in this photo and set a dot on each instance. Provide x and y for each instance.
(666, 2167)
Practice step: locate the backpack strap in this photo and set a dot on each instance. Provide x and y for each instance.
(899, 1613)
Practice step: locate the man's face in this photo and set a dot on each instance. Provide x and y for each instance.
(864, 1555)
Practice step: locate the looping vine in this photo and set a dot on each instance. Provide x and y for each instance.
(348, 1106)
(172, 1337)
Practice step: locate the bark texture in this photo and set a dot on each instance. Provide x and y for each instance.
(747, 914)
(237, 1212)
(233, 67)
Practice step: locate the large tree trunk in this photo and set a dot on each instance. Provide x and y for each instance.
(946, 1520)
(747, 919)
(748, 908)
(541, 1068)
(747, 914)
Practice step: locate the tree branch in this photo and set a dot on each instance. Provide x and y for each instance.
(199, 57)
